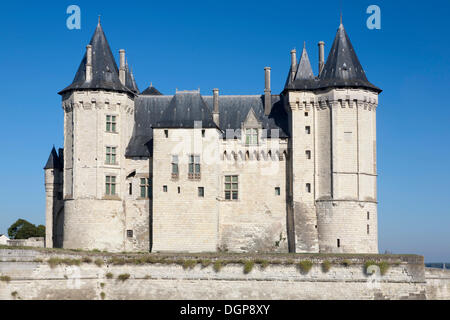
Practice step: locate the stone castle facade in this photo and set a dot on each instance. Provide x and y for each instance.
(288, 172)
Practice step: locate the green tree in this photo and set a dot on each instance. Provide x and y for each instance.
(22, 229)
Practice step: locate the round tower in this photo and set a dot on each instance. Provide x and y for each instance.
(98, 121)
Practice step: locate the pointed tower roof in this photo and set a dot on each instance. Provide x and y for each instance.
(130, 83)
(151, 91)
(304, 77)
(343, 68)
(105, 74)
(53, 161)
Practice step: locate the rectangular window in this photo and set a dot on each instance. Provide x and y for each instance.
(110, 186)
(166, 133)
(174, 167)
(203, 133)
(251, 136)
(308, 187)
(201, 192)
(306, 114)
(231, 187)
(111, 153)
(368, 229)
(277, 191)
(164, 188)
(111, 123)
(179, 189)
(308, 154)
(130, 188)
(368, 215)
(144, 186)
(130, 233)
(194, 167)
(308, 130)
(338, 243)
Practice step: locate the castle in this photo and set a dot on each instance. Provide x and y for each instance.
(288, 172)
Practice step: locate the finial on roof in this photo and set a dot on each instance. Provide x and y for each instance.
(99, 19)
(341, 18)
(304, 44)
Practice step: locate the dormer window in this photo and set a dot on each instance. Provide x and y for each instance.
(251, 136)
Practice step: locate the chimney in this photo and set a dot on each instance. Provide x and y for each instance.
(267, 92)
(88, 63)
(293, 63)
(321, 56)
(216, 106)
(122, 66)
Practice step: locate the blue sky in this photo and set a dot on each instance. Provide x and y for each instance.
(205, 44)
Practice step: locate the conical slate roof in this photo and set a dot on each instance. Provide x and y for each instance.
(130, 83)
(343, 68)
(184, 109)
(105, 74)
(151, 91)
(53, 161)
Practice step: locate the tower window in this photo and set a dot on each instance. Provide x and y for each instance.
(194, 167)
(308, 154)
(203, 133)
(368, 215)
(111, 153)
(306, 114)
(130, 233)
(338, 243)
(130, 188)
(164, 188)
(368, 229)
(201, 192)
(308, 130)
(251, 136)
(231, 187)
(166, 133)
(145, 187)
(179, 189)
(174, 167)
(110, 185)
(308, 187)
(111, 124)
(277, 191)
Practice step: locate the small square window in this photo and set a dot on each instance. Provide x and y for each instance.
(306, 114)
(277, 191)
(164, 188)
(130, 233)
(308, 130)
(201, 192)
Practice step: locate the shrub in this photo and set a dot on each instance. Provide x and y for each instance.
(189, 264)
(217, 265)
(109, 275)
(5, 278)
(123, 277)
(205, 263)
(102, 285)
(248, 266)
(384, 267)
(305, 266)
(14, 293)
(102, 295)
(99, 262)
(326, 265)
(53, 262)
(86, 260)
(263, 263)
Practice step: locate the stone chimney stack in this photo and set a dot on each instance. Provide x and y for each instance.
(321, 56)
(88, 63)
(293, 63)
(122, 66)
(267, 92)
(216, 106)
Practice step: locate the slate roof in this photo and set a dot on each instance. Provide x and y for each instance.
(105, 74)
(342, 68)
(53, 161)
(182, 109)
(151, 91)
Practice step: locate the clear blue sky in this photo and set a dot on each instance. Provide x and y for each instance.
(207, 44)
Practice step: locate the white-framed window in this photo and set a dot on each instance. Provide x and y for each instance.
(251, 136)
(194, 167)
(231, 187)
(111, 155)
(175, 167)
(110, 185)
(111, 123)
(144, 187)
